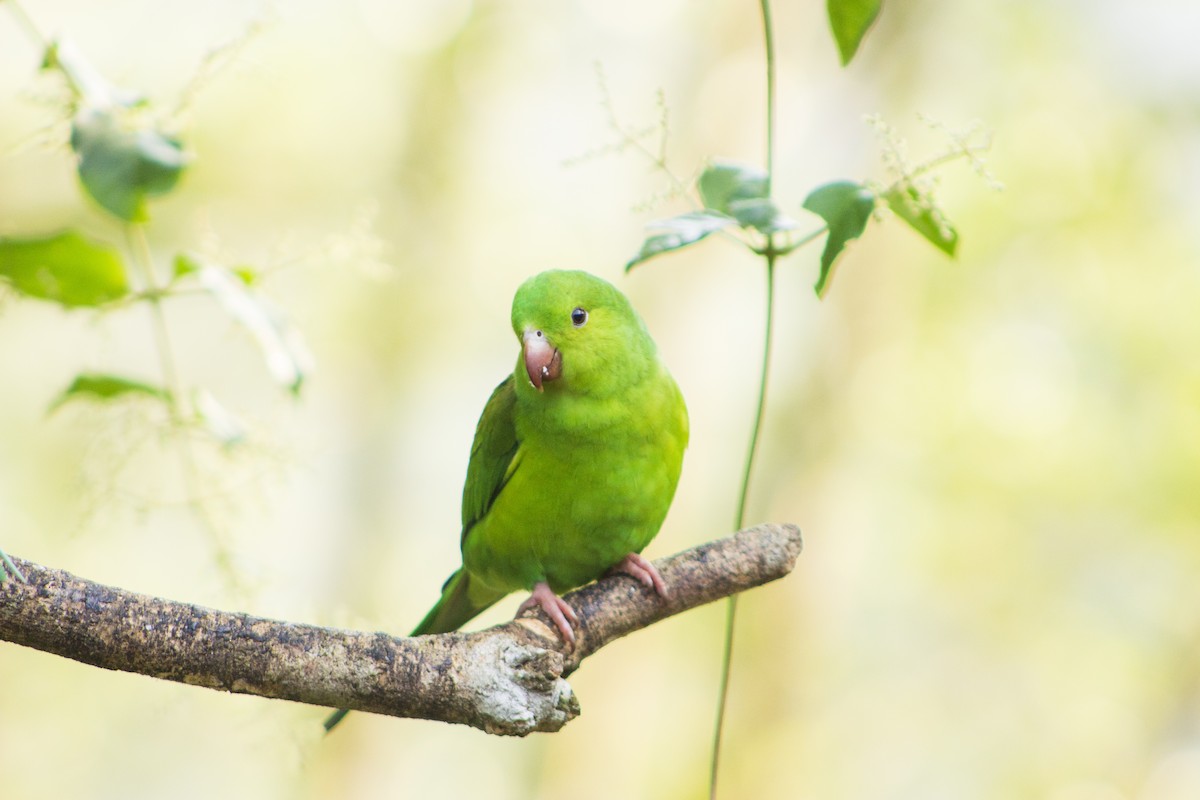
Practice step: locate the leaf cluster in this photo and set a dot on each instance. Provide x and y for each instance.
(126, 157)
(735, 199)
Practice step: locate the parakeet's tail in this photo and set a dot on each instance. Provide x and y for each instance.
(334, 718)
(461, 601)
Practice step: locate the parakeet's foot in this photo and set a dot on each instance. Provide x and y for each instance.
(559, 611)
(642, 571)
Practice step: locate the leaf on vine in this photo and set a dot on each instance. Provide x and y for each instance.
(185, 264)
(740, 191)
(846, 207)
(97, 386)
(65, 268)
(724, 183)
(123, 158)
(912, 207)
(850, 21)
(123, 162)
(679, 232)
(288, 359)
(762, 214)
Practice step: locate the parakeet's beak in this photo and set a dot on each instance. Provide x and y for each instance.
(542, 360)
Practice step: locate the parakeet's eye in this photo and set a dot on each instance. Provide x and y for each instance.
(578, 317)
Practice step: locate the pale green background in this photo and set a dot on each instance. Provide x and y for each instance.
(994, 460)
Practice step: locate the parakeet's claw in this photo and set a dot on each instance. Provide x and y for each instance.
(642, 571)
(559, 611)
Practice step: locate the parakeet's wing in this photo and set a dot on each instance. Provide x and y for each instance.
(493, 459)
(493, 454)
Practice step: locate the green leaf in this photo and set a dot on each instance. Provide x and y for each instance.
(762, 214)
(97, 386)
(908, 204)
(123, 158)
(185, 264)
(678, 232)
(725, 183)
(65, 268)
(846, 207)
(850, 20)
(287, 356)
(122, 163)
(247, 275)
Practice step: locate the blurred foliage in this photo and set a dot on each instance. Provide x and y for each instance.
(738, 196)
(65, 268)
(846, 207)
(124, 157)
(106, 387)
(993, 462)
(849, 20)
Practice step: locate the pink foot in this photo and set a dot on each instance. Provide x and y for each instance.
(643, 571)
(559, 611)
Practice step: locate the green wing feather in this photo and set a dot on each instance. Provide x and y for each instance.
(493, 454)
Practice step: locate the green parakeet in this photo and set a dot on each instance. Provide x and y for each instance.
(575, 459)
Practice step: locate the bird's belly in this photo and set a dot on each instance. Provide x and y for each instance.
(568, 520)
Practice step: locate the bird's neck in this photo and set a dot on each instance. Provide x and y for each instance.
(586, 417)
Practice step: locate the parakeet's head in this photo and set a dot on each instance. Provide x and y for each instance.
(579, 334)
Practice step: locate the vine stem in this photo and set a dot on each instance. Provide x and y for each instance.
(177, 405)
(770, 254)
(751, 453)
(140, 248)
(769, 44)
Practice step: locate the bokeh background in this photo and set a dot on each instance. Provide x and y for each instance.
(994, 459)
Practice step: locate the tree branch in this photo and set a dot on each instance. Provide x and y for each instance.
(505, 680)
